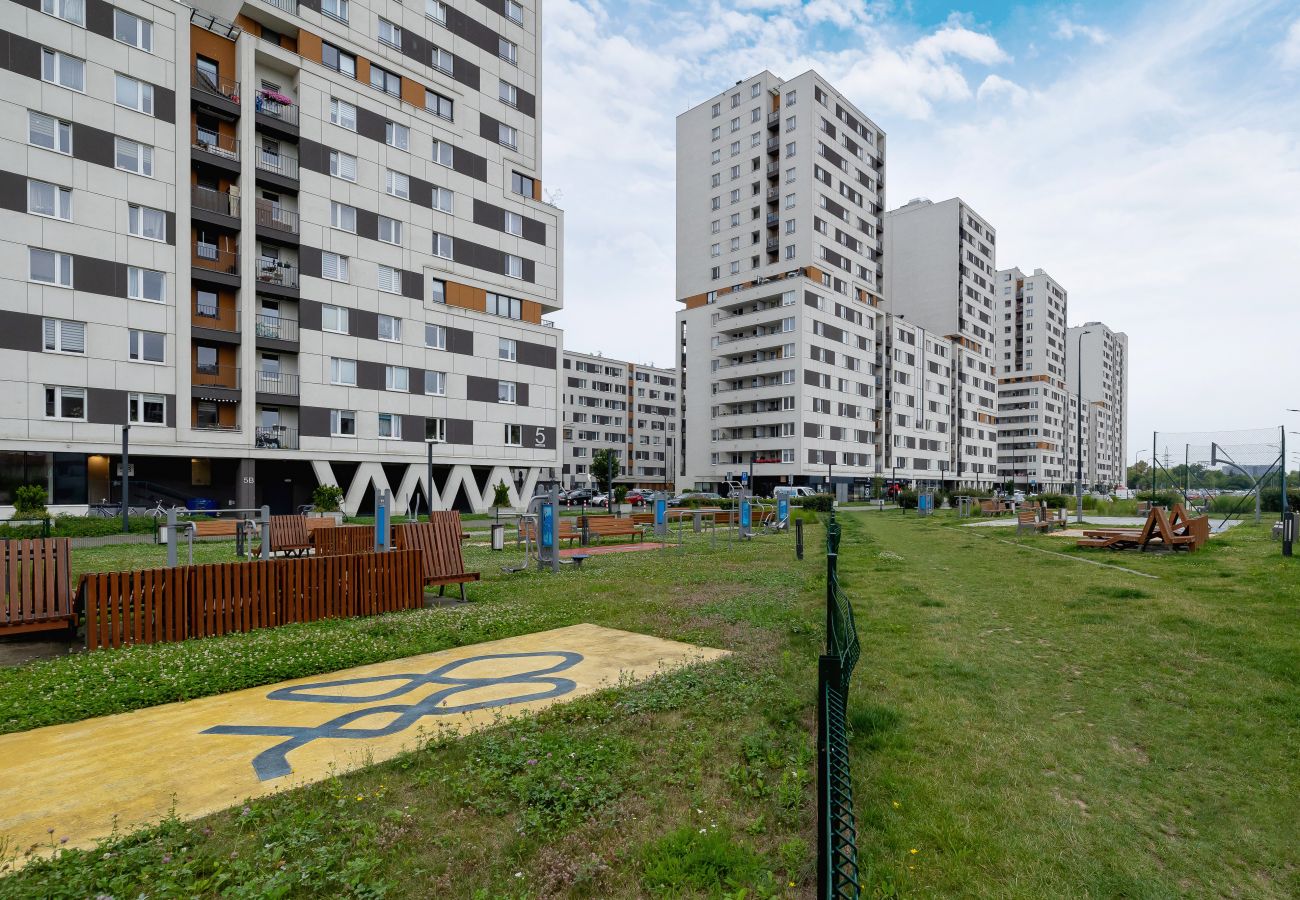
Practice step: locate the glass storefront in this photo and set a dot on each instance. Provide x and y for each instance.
(63, 475)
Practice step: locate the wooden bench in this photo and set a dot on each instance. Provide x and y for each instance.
(36, 586)
(290, 535)
(601, 527)
(1053, 518)
(565, 530)
(994, 507)
(1027, 519)
(214, 527)
(344, 540)
(438, 543)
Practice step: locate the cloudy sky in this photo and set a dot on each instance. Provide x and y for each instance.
(1146, 155)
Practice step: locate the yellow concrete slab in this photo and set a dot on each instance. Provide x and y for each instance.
(209, 754)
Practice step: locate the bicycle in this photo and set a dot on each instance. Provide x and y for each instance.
(160, 512)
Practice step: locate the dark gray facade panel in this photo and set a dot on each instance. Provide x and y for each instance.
(313, 421)
(309, 261)
(370, 375)
(105, 407)
(94, 145)
(363, 323)
(367, 224)
(309, 315)
(13, 191)
(539, 355)
(460, 431)
(20, 331)
(460, 340)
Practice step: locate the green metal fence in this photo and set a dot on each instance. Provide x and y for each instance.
(837, 852)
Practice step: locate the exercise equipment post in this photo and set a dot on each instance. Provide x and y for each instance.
(548, 545)
(383, 499)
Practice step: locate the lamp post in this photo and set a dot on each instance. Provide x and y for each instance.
(428, 486)
(1078, 443)
(126, 479)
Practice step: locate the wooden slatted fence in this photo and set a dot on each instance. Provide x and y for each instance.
(344, 540)
(35, 585)
(157, 605)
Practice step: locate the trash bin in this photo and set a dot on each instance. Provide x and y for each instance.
(498, 536)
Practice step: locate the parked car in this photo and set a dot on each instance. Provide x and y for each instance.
(638, 497)
(701, 496)
(601, 499)
(578, 496)
(791, 492)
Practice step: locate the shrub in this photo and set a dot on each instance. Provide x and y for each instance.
(29, 502)
(327, 498)
(815, 503)
(501, 494)
(1054, 501)
(907, 499)
(1161, 498)
(620, 493)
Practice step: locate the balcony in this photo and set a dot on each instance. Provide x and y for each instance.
(220, 150)
(215, 323)
(774, 145)
(276, 437)
(221, 95)
(277, 333)
(773, 195)
(274, 387)
(774, 120)
(276, 223)
(773, 170)
(277, 168)
(277, 113)
(216, 207)
(773, 244)
(223, 428)
(215, 377)
(210, 260)
(773, 220)
(276, 277)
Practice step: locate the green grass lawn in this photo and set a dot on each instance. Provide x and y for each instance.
(1024, 725)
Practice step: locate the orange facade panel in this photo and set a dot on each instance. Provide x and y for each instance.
(463, 296)
(309, 46)
(218, 49)
(530, 311)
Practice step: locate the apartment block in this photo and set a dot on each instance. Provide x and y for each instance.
(1100, 355)
(287, 243)
(780, 191)
(1032, 388)
(939, 274)
(626, 407)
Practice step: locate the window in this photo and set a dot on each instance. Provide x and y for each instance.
(390, 34)
(436, 10)
(790, 98)
(398, 136)
(508, 51)
(715, 250)
(390, 329)
(514, 12)
(507, 136)
(439, 105)
(717, 132)
(522, 185)
(343, 217)
(790, 226)
(48, 267)
(789, 201)
(390, 230)
(755, 114)
(49, 132)
(333, 266)
(390, 282)
(442, 245)
(73, 11)
(386, 81)
(390, 426)
(506, 307)
(146, 409)
(343, 114)
(514, 223)
(754, 89)
(343, 371)
(397, 378)
(437, 291)
(715, 180)
(442, 60)
(44, 199)
(337, 9)
(64, 336)
(507, 349)
(134, 94)
(508, 93)
(65, 403)
(132, 30)
(435, 430)
(147, 222)
(339, 60)
(442, 198)
(146, 346)
(130, 156)
(334, 318)
(435, 337)
(343, 165)
(398, 184)
(343, 422)
(59, 68)
(442, 153)
(506, 391)
(435, 383)
(789, 149)
(514, 266)
(514, 436)
(146, 284)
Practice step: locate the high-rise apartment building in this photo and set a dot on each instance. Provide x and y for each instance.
(939, 274)
(287, 242)
(631, 409)
(1030, 351)
(1104, 357)
(780, 191)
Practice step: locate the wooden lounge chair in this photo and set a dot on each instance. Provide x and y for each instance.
(438, 542)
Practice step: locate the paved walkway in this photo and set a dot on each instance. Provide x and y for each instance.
(212, 753)
(1090, 522)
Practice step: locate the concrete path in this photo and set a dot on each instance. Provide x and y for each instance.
(209, 754)
(1089, 522)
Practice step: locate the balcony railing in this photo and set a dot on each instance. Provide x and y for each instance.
(773, 169)
(216, 85)
(218, 144)
(214, 201)
(773, 145)
(276, 109)
(273, 271)
(277, 163)
(212, 257)
(200, 425)
(289, 6)
(215, 376)
(277, 328)
(773, 119)
(276, 437)
(277, 383)
(211, 315)
(272, 215)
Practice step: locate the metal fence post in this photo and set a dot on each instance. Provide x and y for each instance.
(798, 538)
(266, 532)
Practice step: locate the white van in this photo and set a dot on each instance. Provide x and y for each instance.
(787, 491)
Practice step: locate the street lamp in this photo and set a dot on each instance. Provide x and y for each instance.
(1078, 441)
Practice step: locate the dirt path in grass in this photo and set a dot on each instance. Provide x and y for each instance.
(74, 781)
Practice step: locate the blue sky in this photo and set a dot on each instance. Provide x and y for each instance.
(1147, 155)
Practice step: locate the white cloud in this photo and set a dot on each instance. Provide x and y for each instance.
(1068, 31)
(1289, 50)
(995, 86)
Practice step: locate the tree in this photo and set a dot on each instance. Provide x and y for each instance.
(501, 494)
(605, 468)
